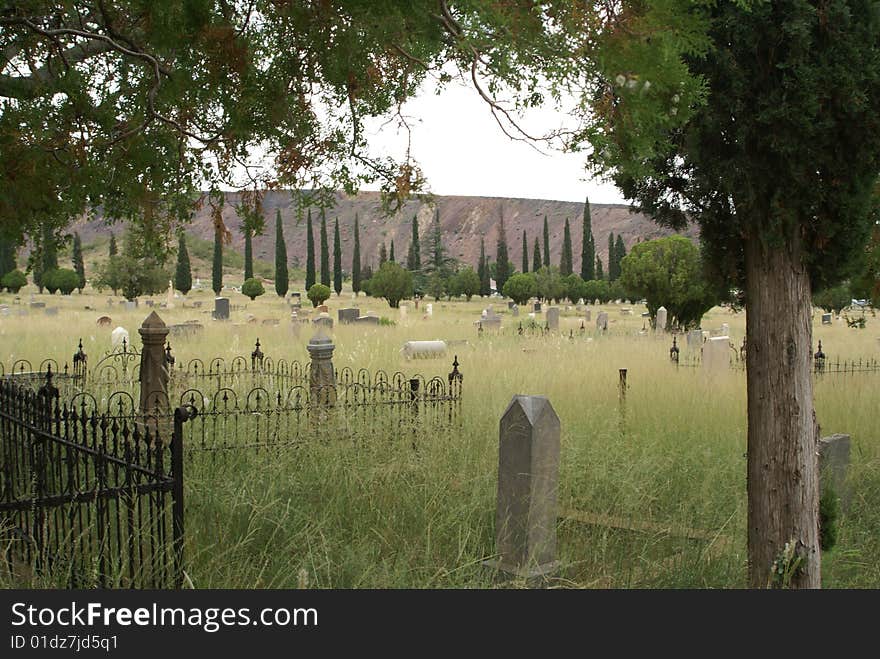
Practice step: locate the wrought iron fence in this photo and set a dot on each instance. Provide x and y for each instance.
(86, 498)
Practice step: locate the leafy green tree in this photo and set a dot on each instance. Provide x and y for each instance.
(619, 253)
(135, 276)
(252, 288)
(391, 252)
(668, 272)
(13, 281)
(520, 288)
(383, 254)
(525, 253)
(574, 287)
(502, 268)
(565, 260)
(393, 283)
(778, 217)
(549, 284)
(833, 299)
(182, 272)
(318, 294)
(437, 284)
(613, 270)
(78, 265)
(282, 277)
(7, 255)
(356, 259)
(216, 264)
(45, 257)
(588, 246)
(600, 272)
(337, 259)
(112, 250)
(466, 282)
(546, 244)
(866, 283)
(310, 253)
(61, 279)
(414, 258)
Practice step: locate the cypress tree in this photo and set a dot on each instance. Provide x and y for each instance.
(78, 265)
(613, 272)
(310, 252)
(217, 266)
(588, 246)
(525, 253)
(391, 251)
(502, 267)
(114, 250)
(536, 257)
(46, 256)
(619, 253)
(325, 253)
(282, 282)
(182, 273)
(600, 274)
(356, 259)
(566, 260)
(337, 259)
(248, 251)
(383, 254)
(436, 242)
(546, 243)
(414, 258)
(483, 270)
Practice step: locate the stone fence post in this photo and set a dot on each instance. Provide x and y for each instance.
(153, 371)
(834, 465)
(528, 479)
(322, 377)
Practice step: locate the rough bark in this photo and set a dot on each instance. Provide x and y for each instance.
(783, 479)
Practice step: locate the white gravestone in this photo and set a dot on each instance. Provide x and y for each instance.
(660, 323)
(119, 335)
(716, 354)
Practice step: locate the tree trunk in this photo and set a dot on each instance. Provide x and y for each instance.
(783, 478)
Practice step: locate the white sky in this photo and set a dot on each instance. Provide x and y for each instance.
(462, 151)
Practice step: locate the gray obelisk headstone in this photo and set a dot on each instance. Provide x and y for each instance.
(153, 371)
(834, 464)
(528, 479)
(322, 378)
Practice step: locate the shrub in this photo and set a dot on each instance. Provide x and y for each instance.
(253, 288)
(393, 283)
(520, 288)
(318, 294)
(66, 280)
(14, 281)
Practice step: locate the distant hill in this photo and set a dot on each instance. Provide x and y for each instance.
(463, 219)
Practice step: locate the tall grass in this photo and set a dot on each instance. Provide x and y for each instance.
(385, 514)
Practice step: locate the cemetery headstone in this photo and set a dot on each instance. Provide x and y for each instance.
(537, 307)
(322, 377)
(153, 369)
(429, 309)
(588, 315)
(834, 452)
(51, 311)
(716, 354)
(221, 308)
(660, 321)
(602, 321)
(130, 305)
(553, 318)
(324, 320)
(368, 320)
(695, 338)
(826, 318)
(423, 349)
(104, 321)
(515, 309)
(528, 481)
(38, 305)
(349, 315)
(119, 335)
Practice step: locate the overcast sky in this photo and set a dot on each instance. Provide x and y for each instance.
(462, 151)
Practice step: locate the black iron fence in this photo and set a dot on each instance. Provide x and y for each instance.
(87, 499)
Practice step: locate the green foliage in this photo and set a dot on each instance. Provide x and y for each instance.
(248, 253)
(337, 259)
(393, 283)
(183, 270)
(565, 260)
(437, 284)
(829, 514)
(310, 252)
(282, 283)
(7, 255)
(13, 281)
(613, 264)
(549, 284)
(356, 259)
(383, 254)
(574, 287)
(520, 288)
(391, 251)
(834, 299)
(318, 294)
(546, 244)
(668, 272)
(78, 265)
(588, 246)
(112, 250)
(600, 272)
(61, 279)
(134, 276)
(536, 257)
(253, 288)
(483, 270)
(217, 263)
(525, 253)
(597, 290)
(414, 257)
(619, 253)
(502, 268)
(325, 253)
(466, 282)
